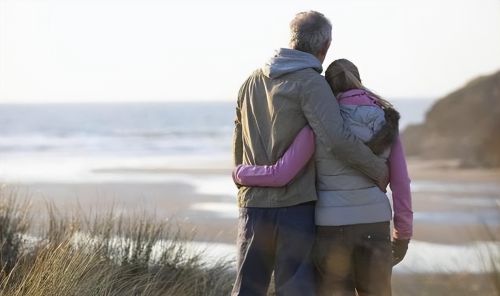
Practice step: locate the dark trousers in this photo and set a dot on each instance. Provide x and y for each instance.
(279, 239)
(354, 258)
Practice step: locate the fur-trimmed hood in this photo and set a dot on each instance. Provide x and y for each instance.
(386, 136)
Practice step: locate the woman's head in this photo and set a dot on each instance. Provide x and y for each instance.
(343, 75)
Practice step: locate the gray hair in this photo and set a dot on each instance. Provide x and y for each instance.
(309, 31)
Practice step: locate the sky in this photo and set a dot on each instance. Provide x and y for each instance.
(172, 50)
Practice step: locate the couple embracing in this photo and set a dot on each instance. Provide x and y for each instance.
(313, 156)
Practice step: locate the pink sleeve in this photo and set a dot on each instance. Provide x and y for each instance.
(285, 169)
(401, 194)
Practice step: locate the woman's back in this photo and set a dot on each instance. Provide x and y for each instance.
(346, 196)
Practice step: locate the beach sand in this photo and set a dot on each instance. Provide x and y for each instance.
(450, 170)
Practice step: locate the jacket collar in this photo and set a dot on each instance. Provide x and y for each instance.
(286, 60)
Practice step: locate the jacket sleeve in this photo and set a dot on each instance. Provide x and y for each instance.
(401, 193)
(284, 170)
(322, 111)
(237, 146)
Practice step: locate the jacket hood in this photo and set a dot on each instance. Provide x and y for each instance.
(287, 60)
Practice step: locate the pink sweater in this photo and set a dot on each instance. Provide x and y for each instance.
(300, 152)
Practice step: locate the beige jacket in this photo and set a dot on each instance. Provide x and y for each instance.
(274, 103)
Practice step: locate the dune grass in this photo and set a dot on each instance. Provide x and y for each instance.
(99, 254)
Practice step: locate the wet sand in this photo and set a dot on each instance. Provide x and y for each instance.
(182, 203)
(169, 201)
(480, 196)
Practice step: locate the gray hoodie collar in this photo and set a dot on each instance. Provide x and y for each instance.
(287, 60)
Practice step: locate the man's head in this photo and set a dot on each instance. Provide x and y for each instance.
(311, 32)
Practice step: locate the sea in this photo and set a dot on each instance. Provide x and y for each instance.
(72, 142)
(77, 142)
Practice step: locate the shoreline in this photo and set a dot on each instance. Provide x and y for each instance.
(419, 169)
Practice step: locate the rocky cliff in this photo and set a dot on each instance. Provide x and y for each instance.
(463, 125)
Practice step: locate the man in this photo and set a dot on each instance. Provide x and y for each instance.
(276, 225)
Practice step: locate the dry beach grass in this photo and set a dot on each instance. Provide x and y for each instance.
(99, 255)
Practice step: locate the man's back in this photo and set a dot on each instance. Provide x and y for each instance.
(271, 116)
(275, 225)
